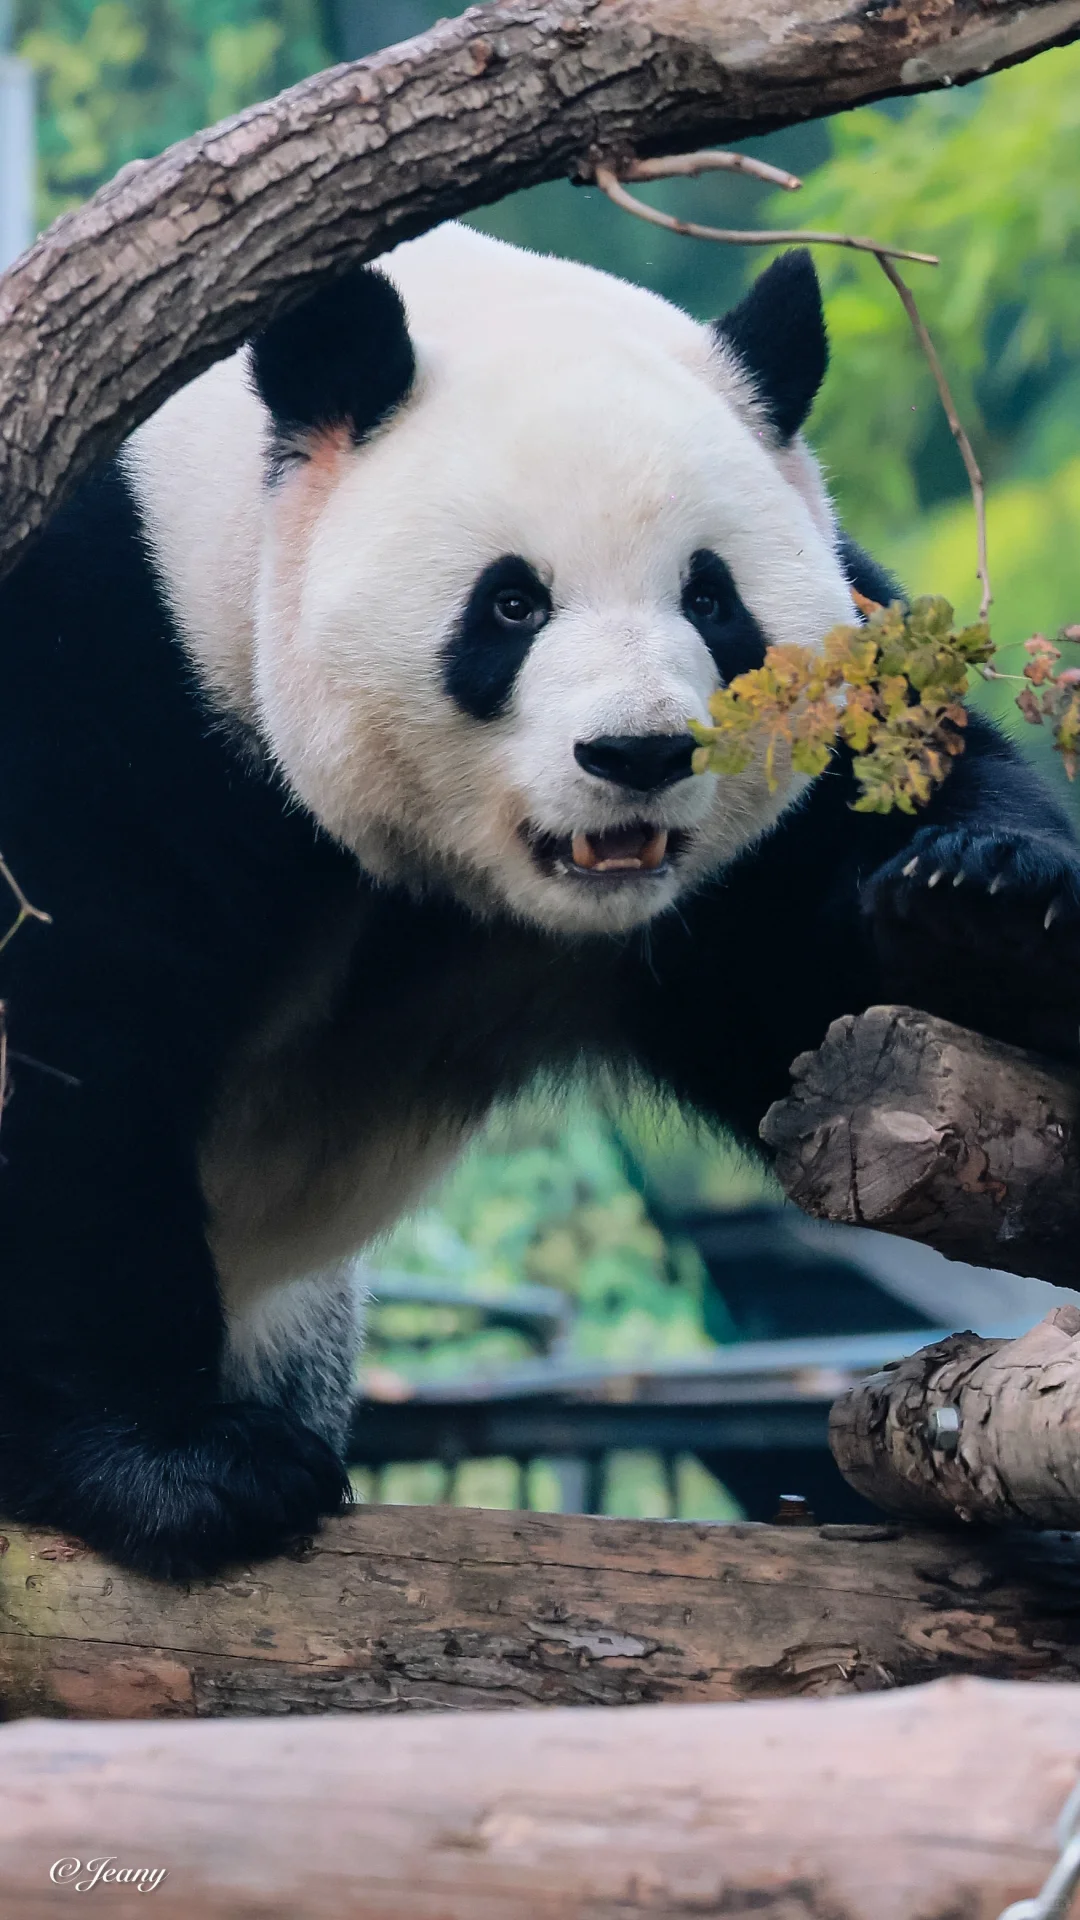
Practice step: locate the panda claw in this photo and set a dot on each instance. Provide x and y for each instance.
(1052, 912)
(996, 884)
(911, 868)
(958, 879)
(936, 876)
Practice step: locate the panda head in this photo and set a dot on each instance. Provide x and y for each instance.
(520, 521)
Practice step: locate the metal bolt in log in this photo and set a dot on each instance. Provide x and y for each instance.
(970, 1429)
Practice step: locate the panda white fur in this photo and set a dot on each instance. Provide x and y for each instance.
(344, 735)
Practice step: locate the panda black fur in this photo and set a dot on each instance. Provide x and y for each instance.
(305, 929)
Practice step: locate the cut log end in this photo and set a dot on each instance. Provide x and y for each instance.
(917, 1127)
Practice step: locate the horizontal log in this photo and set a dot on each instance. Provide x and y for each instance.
(935, 1804)
(180, 257)
(403, 1608)
(909, 1124)
(971, 1429)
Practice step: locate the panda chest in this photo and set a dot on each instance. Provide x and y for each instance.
(358, 1089)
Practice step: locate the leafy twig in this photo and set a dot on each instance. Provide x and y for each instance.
(890, 689)
(1057, 704)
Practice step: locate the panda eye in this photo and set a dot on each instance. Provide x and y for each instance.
(513, 607)
(710, 602)
(701, 604)
(709, 598)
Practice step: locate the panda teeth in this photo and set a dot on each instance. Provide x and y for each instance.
(645, 857)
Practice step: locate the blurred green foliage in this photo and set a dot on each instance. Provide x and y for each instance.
(562, 1195)
(120, 79)
(634, 1485)
(986, 178)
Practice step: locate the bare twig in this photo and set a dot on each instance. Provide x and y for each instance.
(681, 166)
(25, 910)
(608, 183)
(687, 166)
(974, 473)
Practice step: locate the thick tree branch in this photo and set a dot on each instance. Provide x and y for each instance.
(417, 1608)
(174, 262)
(932, 1805)
(906, 1123)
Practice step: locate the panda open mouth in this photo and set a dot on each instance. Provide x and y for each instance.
(640, 850)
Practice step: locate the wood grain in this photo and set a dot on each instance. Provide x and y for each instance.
(395, 1609)
(180, 257)
(934, 1804)
(912, 1125)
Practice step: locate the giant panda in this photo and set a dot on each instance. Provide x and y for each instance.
(343, 735)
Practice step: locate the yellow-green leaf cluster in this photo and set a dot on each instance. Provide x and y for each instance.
(889, 689)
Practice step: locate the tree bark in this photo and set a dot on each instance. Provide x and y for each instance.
(394, 1609)
(1005, 1452)
(932, 1805)
(180, 257)
(906, 1123)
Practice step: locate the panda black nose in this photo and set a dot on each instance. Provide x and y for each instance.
(644, 762)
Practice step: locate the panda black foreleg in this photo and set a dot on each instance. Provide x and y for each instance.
(175, 1495)
(977, 918)
(111, 1422)
(828, 915)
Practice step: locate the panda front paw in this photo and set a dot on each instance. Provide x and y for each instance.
(250, 1483)
(984, 929)
(234, 1484)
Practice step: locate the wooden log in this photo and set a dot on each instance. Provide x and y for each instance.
(971, 1429)
(402, 1608)
(907, 1123)
(934, 1804)
(180, 257)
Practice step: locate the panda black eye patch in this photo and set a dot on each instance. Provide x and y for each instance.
(504, 612)
(711, 603)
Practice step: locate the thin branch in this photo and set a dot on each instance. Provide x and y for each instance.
(25, 910)
(608, 183)
(687, 166)
(691, 164)
(967, 454)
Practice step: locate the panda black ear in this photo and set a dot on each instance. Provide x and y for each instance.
(778, 335)
(342, 358)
